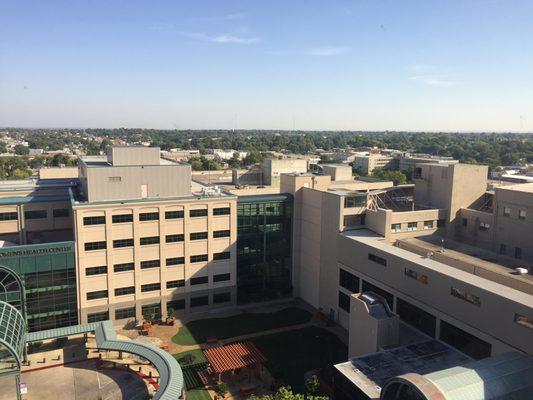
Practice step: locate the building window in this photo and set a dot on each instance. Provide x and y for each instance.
(221, 297)
(175, 284)
(221, 277)
(97, 317)
(114, 179)
(94, 220)
(344, 302)
(96, 270)
(35, 214)
(150, 287)
(484, 226)
(522, 214)
(9, 216)
(377, 259)
(222, 211)
(95, 246)
(151, 310)
(199, 258)
(123, 267)
(414, 316)
(123, 291)
(503, 248)
(120, 218)
(356, 201)
(464, 295)
(150, 216)
(428, 224)
(174, 238)
(225, 255)
(416, 275)
(465, 222)
(464, 341)
(518, 253)
(389, 298)
(149, 240)
(199, 301)
(412, 226)
(175, 261)
(198, 235)
(173, 214)
(221, 234)
(506, 211)
(198, 213)
(200, 280)
(523, 320)
(122, 243)
(150, 264)
(176, 304)
(123, 313)
(99, 294)
(396, 228)
(348, 281)
(61, 212)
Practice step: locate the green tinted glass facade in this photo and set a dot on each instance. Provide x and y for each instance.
(49, 276)
(264, 247)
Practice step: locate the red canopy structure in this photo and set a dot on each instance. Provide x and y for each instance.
(234, 356)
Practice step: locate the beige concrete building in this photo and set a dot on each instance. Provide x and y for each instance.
(273, 168)
(145, 243)
(368, 162)
(338, 172)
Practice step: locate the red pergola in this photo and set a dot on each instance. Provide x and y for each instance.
(233, 357)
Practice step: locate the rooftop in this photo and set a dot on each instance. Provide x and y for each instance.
(474, 260)
(519, 187)
(376, 241)
(370, 372)
(102, 161)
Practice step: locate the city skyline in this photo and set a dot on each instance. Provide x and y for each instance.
(444, 66)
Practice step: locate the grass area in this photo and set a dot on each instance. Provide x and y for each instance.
(198, 394)
(290, 354)
(185, 360)
(195, 332)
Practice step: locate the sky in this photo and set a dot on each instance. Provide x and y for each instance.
(424, 65)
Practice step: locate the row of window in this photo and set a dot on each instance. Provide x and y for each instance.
(35, 214)
(412, 226)
(145, 241)
(150, 287)
(153, 216)
(517, 251)
(155, 309)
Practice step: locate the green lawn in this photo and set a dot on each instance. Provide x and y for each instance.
(291, 354)
(198, 357)
(198, 394)
(195, 332)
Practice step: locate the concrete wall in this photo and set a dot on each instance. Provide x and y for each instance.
(58, 173)
(338, 172)
(273, 168)
(511, 230)
(493, 321)
(133, 155)
(121, 183)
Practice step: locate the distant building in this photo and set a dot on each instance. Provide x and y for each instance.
(273, 168)
(367, 163)
(225, 155)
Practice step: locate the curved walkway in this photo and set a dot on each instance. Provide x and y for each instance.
(170, 374)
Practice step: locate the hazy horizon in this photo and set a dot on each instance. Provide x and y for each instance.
(417, 66)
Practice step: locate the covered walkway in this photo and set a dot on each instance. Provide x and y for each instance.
(170, 374)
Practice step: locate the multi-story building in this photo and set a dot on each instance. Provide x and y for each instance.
(368, 162)
(273, 168)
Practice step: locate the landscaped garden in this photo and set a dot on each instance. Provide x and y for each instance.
(292, 353)
(196, 332)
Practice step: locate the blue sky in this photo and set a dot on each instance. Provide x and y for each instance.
(451, 65)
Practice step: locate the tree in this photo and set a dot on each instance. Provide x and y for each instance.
(312, 385)
(285, 393)
(397, 177)
(21, 150)
(21, 173)
(3, 147)
(234, 161)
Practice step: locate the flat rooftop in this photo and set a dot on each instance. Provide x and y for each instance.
(519, 187)
(485, 281)
(370, 372)
(102, 161)
(474, 260)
